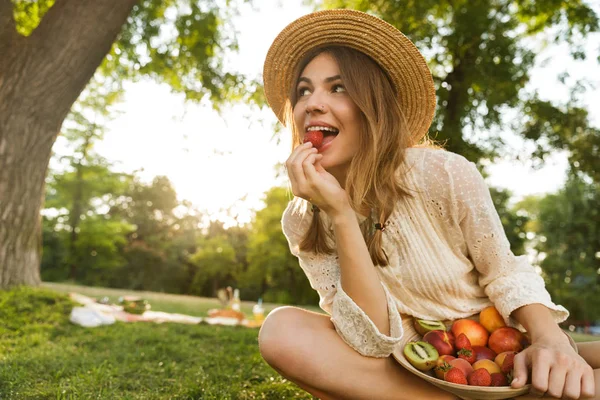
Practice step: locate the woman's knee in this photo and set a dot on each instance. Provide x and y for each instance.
(279, 336)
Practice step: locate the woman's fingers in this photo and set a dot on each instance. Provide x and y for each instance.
(309, 168)
(556, 381)
(539, 374)
(521, 364)
(572, 389)
(588, 383)
(294, 164)
(307, 187)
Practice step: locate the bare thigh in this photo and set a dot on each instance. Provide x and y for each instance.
(304, 347)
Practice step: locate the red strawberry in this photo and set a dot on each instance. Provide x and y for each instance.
(441, 369)
(480, 377)
(462, 342)
(499, 379)
(315, 137)
(455, 375)
(467, 354)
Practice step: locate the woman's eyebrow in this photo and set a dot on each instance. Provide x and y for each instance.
(327, 80)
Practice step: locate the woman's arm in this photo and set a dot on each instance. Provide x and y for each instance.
(358, 276)
(540, 324)
(361, 291)
(556, 369)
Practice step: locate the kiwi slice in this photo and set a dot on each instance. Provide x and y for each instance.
(422, 326)
(421, 355)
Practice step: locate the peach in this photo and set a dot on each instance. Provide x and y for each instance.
(491, 319)
(477, 334)
(483, 352)
(443, 341)
(442, 365)
(507, 339)
(490, 365)
(506, 361)
(461, 364)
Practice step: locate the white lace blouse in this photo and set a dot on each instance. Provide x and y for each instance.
(448, 256)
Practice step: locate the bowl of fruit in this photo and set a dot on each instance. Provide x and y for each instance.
(470, 357)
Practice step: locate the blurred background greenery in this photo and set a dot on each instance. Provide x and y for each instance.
(71, 220)
(103, 227)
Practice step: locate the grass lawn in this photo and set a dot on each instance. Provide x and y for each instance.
(44, 356)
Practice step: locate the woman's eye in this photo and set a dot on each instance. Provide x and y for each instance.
(339, 88)
(303, 92)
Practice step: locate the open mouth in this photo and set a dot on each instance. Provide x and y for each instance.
(329, 134)
(326, 130)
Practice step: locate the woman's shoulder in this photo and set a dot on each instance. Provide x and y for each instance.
(436, 161)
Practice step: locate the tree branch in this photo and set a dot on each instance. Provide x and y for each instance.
(68, 46)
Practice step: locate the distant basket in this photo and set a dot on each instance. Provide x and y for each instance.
(465, 392)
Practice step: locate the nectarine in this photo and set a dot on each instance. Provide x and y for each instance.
(507, 339)
(443, 341)
(490, 365)
(477, 334)
(491, 319)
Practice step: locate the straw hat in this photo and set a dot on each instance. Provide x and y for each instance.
(393, 51)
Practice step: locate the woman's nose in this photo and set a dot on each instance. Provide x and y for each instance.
(315, 107)
(316, 102)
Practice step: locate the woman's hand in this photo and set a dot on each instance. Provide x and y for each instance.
(556, 369)
(312, 182)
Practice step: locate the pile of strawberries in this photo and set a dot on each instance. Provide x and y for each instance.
(476, 353)
(475, 373)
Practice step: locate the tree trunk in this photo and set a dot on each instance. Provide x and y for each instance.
(41, 76)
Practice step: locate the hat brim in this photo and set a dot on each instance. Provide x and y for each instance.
(385, 44)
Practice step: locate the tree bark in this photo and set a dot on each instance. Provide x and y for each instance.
(41, 76)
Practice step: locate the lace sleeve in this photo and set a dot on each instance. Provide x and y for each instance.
(509, 281)
(350, 321)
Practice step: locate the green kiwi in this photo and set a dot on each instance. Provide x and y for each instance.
(421, 355)
(422, 326)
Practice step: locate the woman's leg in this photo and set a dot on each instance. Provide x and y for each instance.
(590, 351)
(304, 347)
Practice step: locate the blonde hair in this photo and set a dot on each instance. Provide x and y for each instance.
(371, 182)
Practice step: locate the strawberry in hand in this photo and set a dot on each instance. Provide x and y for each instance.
(315, 137)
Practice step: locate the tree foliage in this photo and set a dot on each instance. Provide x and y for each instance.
(182, 43)
(567, 237)
(271, 266)
(480, 53)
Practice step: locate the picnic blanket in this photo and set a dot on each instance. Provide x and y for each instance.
(93, 314)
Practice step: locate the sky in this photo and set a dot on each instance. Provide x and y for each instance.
(228, 161)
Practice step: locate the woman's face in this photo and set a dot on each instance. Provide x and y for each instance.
(324, 102)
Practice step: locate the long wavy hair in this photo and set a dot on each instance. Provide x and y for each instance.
(372, 181)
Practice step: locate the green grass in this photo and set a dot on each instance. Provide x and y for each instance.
(44, 356)
(580, 337)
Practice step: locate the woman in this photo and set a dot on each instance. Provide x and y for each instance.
(384, 229)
